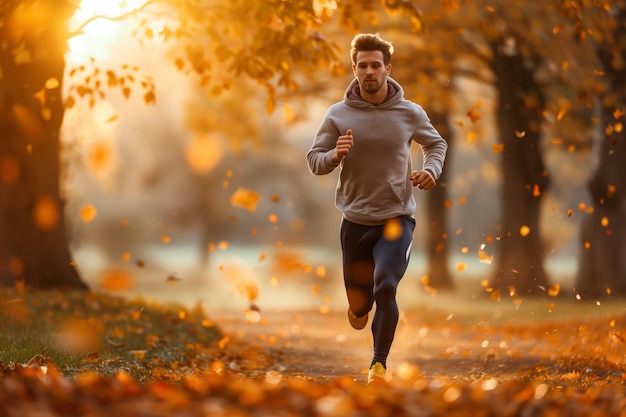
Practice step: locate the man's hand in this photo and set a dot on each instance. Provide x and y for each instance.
(423, 180)
(344, 143)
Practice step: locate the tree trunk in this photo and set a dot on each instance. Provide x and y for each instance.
(437, 250)
(520, 260)
(602, 261)
(33, 243)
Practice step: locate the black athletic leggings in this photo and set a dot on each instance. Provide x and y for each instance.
(372, 269)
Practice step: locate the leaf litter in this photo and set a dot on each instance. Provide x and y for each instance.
(151, 360)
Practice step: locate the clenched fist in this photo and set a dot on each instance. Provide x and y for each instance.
(344, 144)
(423, 180)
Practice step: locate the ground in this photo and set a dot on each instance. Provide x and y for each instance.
(453, 356)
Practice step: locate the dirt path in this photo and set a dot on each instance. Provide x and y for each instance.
(450, 339)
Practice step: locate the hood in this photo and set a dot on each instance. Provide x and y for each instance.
(352, 95)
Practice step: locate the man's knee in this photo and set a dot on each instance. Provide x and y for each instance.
(385, 290)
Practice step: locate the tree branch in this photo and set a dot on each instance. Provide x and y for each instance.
(119, 18)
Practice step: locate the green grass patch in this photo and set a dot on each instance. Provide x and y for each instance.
(78, 331)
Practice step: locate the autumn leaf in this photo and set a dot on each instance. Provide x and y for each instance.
(46, 213)
(484, 258)
(497, 147)
(393, 229)
(88, 213)
(245, 198)
(473, 115)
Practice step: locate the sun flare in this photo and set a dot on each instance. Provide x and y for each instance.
(94, 20)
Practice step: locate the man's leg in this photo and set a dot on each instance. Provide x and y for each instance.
(391, 260)
(358, 267)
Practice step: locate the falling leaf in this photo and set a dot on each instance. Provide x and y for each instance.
(393, 229)
(611, 190)
(245, 198)
(536, 191)
(320, 271)
(484, 258)
(618, 113)
(524, 231)
(149, 97)
(520, 134)
(473, 115)
(249, 290)
(46, 213)
(554, 290)
(116, 280)
(204, 153)
(497, 147)
(88, 213)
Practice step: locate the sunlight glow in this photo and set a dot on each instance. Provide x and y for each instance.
(100, 33)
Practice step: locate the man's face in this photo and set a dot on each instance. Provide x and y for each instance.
(371, 71)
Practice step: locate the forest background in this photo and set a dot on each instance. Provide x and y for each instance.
(201, 193)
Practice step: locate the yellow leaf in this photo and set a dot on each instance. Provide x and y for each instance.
(88, 213)
(392, 230)
(497, 147)
(536, 190)
(611, 190)
(484, 258)
(473, 115)
(204, 153)
(52, 83)
(46, 213)
(245, 198)
(524, 231)
(554, 290)
(149, 97)
(69, 102)
(116, 280)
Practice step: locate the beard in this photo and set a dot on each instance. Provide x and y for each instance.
(372, 86)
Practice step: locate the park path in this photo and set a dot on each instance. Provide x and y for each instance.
(320, 347)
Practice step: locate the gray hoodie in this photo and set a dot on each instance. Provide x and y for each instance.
(374, 181)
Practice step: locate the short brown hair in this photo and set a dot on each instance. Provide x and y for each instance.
(371, 42)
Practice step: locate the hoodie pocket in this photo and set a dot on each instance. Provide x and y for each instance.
(370, 196)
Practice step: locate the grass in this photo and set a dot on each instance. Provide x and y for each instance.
(77, 332)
